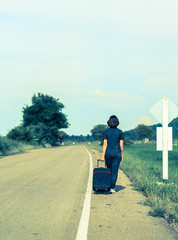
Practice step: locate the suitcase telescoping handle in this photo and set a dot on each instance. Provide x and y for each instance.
(99, 160)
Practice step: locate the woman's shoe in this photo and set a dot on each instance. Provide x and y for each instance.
(112, 190)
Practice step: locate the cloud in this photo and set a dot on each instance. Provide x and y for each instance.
(158, 82)
(96, 106)
(108, 100)
(134, 17)
(29, 77)
(99, 92)
(175, 92)
(160, 87)
(98, 99)
(146, 120)
(114, 100)
(62, 47)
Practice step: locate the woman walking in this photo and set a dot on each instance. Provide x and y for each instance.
(113, 148)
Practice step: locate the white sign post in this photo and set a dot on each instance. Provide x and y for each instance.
(165, 139)
(164, 133)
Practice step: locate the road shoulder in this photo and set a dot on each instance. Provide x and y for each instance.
(121, 216)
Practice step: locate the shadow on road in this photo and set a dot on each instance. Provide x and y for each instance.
(119, 188)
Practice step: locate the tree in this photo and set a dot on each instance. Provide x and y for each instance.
(62, 136)
(98, 131)
(44, 109)
(127, 141)
(21, 134)
(143, 131)
(45, 118)
(41, 121)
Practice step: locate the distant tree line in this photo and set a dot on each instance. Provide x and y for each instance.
(133, 134)
(79, 138)
(43, 120)
(141, 132)
(98, 131)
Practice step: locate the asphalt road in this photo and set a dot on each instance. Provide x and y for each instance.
(42, 193)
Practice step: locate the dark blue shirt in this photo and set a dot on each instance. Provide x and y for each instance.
(113, 136)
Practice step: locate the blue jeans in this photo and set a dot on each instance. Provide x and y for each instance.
(113, 159)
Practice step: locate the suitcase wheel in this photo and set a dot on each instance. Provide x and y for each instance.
(95, 191)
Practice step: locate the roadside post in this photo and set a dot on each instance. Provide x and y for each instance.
(164, 111)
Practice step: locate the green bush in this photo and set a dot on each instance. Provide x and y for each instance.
(7, 145)
(21, 134)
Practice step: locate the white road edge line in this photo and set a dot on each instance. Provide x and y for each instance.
(84, 220)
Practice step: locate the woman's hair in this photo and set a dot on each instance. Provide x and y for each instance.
(113, 121)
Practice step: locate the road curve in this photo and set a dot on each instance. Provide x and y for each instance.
(42, 193)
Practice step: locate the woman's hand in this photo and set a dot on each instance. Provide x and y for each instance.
(104, 150)
(121, 156)
(122, 148)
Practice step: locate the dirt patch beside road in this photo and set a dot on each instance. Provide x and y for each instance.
(120, 216)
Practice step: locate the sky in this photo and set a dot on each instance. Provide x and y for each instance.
(99, 58)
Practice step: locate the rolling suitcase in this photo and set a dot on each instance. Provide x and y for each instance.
(101, 179)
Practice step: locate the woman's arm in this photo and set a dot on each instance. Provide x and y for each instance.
(122, 148)
(105, 143)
